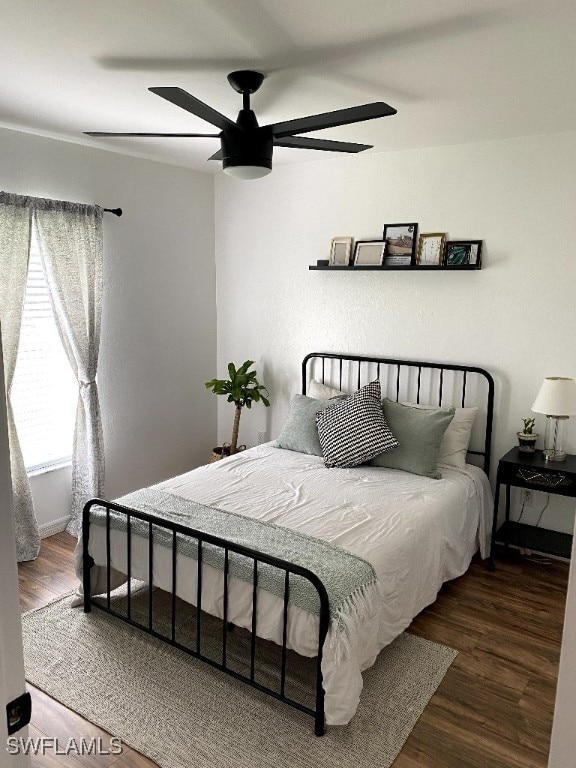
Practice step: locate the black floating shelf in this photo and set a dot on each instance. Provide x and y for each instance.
(417, 267)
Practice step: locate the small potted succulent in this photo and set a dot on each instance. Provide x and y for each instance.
(527, 438)
(242, 389)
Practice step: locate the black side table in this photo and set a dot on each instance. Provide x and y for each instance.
(529, 470)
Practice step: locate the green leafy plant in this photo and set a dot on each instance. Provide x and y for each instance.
(528, 426)
(242, 389)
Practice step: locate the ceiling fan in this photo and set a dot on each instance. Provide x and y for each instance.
(246, 148)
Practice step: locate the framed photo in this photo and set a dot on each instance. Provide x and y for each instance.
(431, 247)
(340, 251)
(460, 253)
(369, 253)
(400, 242)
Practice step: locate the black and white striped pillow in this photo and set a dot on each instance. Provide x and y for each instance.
(354, 430)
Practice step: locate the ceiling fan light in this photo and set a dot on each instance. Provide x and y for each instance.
(247, 172)
(247, 154)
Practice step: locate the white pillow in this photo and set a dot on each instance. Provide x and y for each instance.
(456, 440)
(320, 391)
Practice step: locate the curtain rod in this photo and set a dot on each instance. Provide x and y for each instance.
(115, 211)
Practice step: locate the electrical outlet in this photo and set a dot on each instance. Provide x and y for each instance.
(18, 713)
(261, 436)
(528, 499)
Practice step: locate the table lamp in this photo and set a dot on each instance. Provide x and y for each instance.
(557, 399)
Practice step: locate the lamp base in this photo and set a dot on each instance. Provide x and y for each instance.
(551, 455)
(554, 438)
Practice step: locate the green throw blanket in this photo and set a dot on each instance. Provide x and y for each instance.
(349, 580)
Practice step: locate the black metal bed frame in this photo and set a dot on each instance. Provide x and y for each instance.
(317, 712)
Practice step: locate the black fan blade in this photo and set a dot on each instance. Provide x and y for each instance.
(191, 104)
(332, 119)
(216, 155)
(157, 135)
(300, 142)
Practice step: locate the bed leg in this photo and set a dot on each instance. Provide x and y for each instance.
(87, 561)
(319, 717)
(491, 564)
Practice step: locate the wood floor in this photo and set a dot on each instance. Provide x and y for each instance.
(493, 709)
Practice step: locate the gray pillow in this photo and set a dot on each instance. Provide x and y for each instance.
(419, 434)
(300, 432)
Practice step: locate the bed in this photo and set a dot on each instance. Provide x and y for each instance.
(389, 518)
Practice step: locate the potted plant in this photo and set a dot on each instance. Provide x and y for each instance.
(242, 389)
(527, 438)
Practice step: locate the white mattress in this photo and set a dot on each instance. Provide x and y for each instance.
(416, 532)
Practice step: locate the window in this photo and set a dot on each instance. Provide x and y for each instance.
(44, 391)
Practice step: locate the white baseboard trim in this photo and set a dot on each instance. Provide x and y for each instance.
(53, 527)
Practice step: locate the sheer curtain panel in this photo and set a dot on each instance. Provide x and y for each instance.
(15, 223)
(70, 237)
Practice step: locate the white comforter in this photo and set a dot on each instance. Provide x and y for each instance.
(416, 532)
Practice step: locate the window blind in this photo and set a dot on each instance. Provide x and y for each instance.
(44, 391)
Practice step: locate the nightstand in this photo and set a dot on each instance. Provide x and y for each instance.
(529, 470)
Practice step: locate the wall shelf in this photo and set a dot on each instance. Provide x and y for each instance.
(415, 267)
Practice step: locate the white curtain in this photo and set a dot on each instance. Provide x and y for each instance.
(70, 237)
(15, 218)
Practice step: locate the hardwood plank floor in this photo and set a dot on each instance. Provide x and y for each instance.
(493, 709)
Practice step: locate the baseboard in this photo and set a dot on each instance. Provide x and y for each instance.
(53, 527)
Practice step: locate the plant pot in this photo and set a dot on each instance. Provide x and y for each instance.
(527, 441)
(222, 451)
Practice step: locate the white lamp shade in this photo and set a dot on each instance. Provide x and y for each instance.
(557, 397)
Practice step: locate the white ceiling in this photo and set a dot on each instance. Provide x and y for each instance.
(456, 70)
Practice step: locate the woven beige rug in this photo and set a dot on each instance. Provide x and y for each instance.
(181, 713)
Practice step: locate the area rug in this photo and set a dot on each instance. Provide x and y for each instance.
(180, 712)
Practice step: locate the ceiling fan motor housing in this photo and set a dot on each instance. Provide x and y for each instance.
(251, 147)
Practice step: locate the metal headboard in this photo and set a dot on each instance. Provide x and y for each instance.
(429, 383)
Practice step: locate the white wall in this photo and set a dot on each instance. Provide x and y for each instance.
(12, 683)
(159, 315)
(515, 317)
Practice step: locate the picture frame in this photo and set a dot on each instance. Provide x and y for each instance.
(463, 253)
(369, 253)
(431, 249)
(340, 251)
(400, 242)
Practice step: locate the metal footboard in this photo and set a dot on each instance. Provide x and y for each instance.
(227, 546)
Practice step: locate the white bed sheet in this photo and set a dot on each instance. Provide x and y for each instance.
(415, 531)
